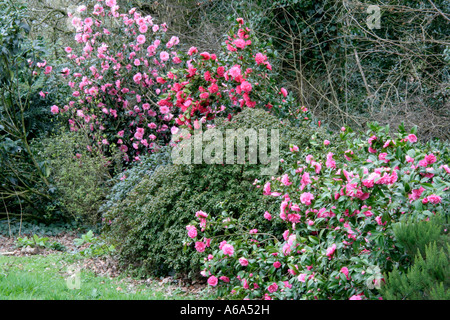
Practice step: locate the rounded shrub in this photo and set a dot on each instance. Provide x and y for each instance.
(338, 215)
(149, 224)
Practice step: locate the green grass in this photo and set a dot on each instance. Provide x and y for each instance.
(47, 278)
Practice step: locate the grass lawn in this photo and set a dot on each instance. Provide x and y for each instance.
(48, 278)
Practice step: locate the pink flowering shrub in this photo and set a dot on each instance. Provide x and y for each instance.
(118, 59)
(337, 212)
(223, 84)
(132, 89)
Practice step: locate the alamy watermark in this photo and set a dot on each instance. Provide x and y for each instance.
(73, 281)
(214, 146)
(374, 18)
(375, 278)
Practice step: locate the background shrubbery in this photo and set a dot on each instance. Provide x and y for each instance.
(81, 178)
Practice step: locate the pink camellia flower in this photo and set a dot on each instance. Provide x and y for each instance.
(54, 109)
(212, 281)
(305, 179)
(213, 88)
(205, 55)
(201, 214)
(192, 50)
(371, 139)
(306, 198)
(111, 3)
(382, 157)
(326, 142)
(446, 168)
(139, 135)
(239, 43)
(378, 220)
(164, 109)
(284, 92)
(431, 158)
(200, 246)
(331, 250)
(228, 249)
(140, 39)
(409, 159)
(224, 279)
(330, 163)
(356, 297)
(137, 77)
(243, 262)
(267, 216)
(260, 58)
(272, 288)
(164, 56)
(285, 180)
(277, 264)
(344, 270)
(143, 28)
(423, 163)
(412, 138)
(48, 69)
(76, 21)
(246, 86)
(302, 277)
(294, 148)
(192, 231)
(65, 72)
(266, 188)
(434, 199)
(235, 71)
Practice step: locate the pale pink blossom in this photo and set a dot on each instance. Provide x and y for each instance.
(243, 262)
(228, 249)
(412, 138)
(212, 281)
(306, 198)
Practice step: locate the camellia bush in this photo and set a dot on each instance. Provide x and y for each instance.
(118, 61)
(133, 90)
(239, 77)
(338, 214)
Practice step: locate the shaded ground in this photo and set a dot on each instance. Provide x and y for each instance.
(8, 245)
(11, 258)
